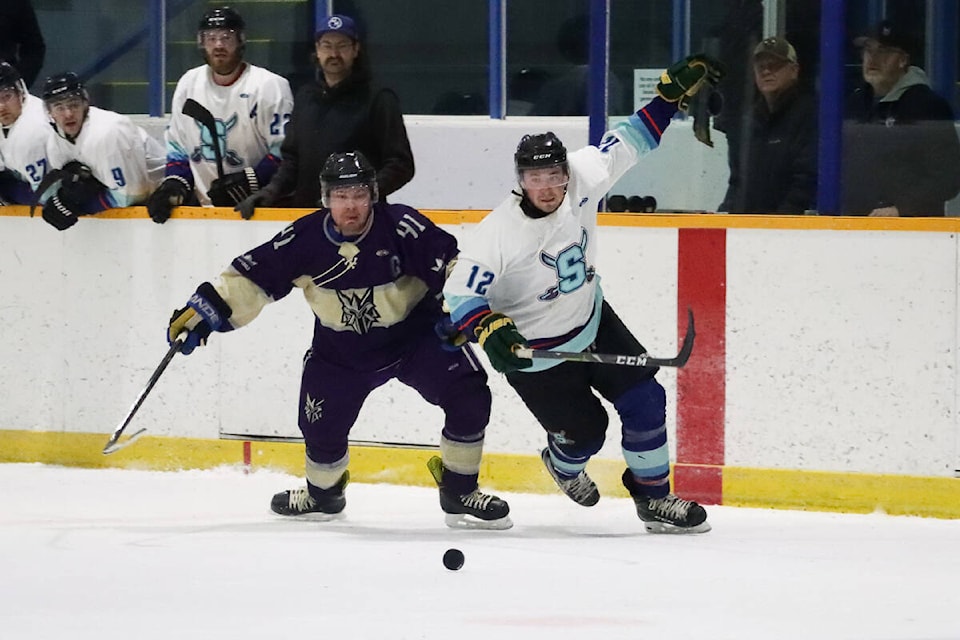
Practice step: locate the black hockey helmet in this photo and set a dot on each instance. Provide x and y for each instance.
(347, 169)
(222, 18)
(540, 150)
(10, 78)
(62, 86)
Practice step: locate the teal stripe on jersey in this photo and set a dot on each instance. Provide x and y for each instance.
(637, 134)
(649, 464)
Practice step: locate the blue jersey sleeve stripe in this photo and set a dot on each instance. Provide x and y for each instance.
(645, 127)
(466, 311)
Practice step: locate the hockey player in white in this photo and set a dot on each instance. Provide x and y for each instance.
(251, 106)
(23, 140)
(526, 278)
(107, 160)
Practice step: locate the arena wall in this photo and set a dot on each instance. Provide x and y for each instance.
(824, 374)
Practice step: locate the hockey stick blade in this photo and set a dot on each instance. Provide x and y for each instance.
(642, 360)
(113, 445)
(193, 109)
(252, 437)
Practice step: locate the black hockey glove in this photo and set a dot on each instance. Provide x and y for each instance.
(60, 212)
(172, 192)
(78, 184)
(233, 188)
(498, 336)
(682, 80)
(205, 312)
(262, 198)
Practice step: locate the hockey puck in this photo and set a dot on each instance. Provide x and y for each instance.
(453, 559)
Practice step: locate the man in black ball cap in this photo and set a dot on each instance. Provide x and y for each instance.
(901, 156)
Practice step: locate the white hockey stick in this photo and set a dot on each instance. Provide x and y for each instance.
(629, 360)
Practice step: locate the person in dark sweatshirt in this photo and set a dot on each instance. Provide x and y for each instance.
(901, 155)
(777, 172)
(342, 111)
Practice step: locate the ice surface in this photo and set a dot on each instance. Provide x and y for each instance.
(112, 554)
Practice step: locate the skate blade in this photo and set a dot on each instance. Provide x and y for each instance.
(465, 521)
(312, 516)
(663, 527)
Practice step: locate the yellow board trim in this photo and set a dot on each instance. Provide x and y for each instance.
(742, 487)
(654, 220)
(843, 492)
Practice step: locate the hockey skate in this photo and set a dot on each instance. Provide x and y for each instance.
(669, 514)
(474, 510)
(581, 489)
(299, 503)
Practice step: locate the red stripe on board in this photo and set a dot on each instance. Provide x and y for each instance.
(247, 458)
(702, 483)
(701, 384)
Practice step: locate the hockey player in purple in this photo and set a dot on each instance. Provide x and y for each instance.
(372, 273)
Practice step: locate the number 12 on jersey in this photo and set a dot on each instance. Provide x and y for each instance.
(479, 286)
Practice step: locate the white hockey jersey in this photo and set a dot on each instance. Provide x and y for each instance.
(23, 148)
(251, 115)
(541, 271)
(120, 155)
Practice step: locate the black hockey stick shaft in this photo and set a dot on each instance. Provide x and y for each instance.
(642, 360)
(201, 114)
(50, 184)
(112, 444)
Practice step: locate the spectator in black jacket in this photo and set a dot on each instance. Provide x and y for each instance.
(21, 43)
(342, 111)
(901, 156)
(777, 172)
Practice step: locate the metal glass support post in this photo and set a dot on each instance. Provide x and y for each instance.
(943, 41)
(321, 11)
(774, 18)
(497, 55)
(680, 29)
(832, 39)
(599, 68)
(156, 65)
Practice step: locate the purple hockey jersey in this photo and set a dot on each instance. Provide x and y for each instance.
(372, 295)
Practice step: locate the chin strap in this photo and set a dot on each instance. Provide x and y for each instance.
(529, 209)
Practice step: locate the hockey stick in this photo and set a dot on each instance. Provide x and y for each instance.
(354, 443)
(50, 183)
(642, 360)
(112, 445)
(201, 114)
